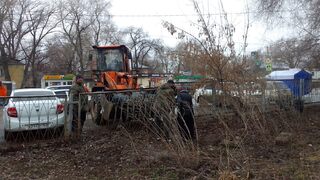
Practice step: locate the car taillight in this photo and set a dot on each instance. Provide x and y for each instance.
(12, 112)
(60, 108)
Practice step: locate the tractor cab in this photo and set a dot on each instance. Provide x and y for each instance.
(111, 58)
(111, 67)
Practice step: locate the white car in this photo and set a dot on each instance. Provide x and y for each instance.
(59, 87)
(32, 109)
(63, 94)
(203, 91)
(214, 96)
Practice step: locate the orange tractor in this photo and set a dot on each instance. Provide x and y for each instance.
(114, 82)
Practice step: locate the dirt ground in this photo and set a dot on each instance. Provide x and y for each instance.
(132, 153)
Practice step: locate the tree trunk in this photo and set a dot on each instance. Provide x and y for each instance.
(179, 66)
(34, 75)
(25, 75)
(5, 65)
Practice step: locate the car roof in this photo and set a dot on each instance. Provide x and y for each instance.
(59, 86)
(31, 90)
(58, 90)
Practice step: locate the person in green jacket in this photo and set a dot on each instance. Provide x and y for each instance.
(76, 89)
(164, 107)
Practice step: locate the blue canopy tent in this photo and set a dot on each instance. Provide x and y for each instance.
(297, 80)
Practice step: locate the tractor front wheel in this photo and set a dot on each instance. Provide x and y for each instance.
(96, 114)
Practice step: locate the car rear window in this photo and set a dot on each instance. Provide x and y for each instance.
(59, 87)
(209, 87)
(29, 95)
(61, 94)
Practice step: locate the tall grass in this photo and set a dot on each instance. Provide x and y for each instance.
(242, 120)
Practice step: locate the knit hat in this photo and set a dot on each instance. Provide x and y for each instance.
(170, 81)
(79, 76)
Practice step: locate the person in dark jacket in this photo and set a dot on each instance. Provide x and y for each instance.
(185, 115)
(76, 89)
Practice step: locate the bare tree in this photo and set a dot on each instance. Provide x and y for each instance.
(85, 23)
(41, 24)
(213, 46)
(188, 54)
(302, 16)
(290, 52)
(103, 29)
(142, 45)
(12, 31)
(5, 7)
(165, 60)
(60, 56)
(76, 17)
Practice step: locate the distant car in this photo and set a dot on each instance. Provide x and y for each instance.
(199, 93)
(275, 89)
(59, 87)
(278, 92)
(32, 109)
(209, 95)
(62, 94)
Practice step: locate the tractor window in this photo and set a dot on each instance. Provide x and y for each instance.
(111, 60)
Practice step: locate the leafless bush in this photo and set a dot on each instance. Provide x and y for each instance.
(246, 117)
(163, 125)
(140, 108)
(257, 115)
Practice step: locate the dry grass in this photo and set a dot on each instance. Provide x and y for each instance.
(246, 121)
(240, 124)
(230, 146)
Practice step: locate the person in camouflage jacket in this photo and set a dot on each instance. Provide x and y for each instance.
(77, 88)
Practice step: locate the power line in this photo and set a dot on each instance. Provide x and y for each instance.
(183, 15)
